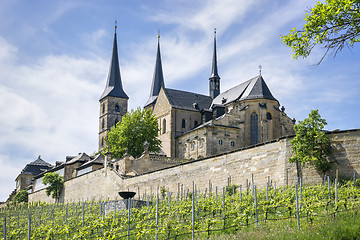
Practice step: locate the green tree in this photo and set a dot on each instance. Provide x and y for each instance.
(332, 24)
(21, 196)
(136, 128)
(55, 184)
(310, 144)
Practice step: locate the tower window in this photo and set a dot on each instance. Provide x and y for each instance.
(268, 116)
(183, 123)
(254, 131)
(232, 143)
(102, 124)
(117, 108)
(220, 142)
(164, 126)
(192, 146)
(103, 108)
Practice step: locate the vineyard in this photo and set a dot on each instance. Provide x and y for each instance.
(182, 216)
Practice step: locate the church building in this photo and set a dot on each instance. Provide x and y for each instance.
(194, 126)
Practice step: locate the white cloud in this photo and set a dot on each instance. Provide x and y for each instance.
(51, 108)
(7, 52)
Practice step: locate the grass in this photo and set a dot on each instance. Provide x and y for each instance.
(345, 226)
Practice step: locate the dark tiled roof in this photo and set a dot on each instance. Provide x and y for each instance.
(81, 157)
(113, 85)
(187, 100)
(99, 159)
(254, 88)
(258, 89)
(40, 162)
(36, 167)
(158, 79)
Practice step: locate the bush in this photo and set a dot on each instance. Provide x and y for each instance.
(21, 196)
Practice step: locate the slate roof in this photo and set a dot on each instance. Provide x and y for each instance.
(36, 167)
(81, 157)
(99, 159)
(214, 69)
(158, 78)
(113, 85)
(187, 100)
(254, 88)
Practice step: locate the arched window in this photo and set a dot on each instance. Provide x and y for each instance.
(268, 116)
(232, 143)
(102, 124)
(254, 130)
(102, 141)
(192, 146)
(201, 144)
(220, 142)
(103, 108)
(117, 108)
(183, 123)
(164, 126)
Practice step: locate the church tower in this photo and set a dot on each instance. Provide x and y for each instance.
(214, 80)
(113, 101)
(158, 79)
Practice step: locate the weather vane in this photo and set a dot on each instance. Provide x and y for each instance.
(260, 69)
(158, 34)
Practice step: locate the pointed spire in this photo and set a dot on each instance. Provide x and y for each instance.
(214, 84)
(113, 85)
(214, 72)
(158, 77)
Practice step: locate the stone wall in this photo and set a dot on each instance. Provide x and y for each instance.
(260, 163)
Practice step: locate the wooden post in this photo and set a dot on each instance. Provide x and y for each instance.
(337, 173)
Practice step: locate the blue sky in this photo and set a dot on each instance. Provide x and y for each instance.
(55, 55)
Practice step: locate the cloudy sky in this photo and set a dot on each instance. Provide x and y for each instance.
(55, 55)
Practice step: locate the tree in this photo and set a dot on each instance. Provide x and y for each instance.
(310, 144)
(334, 24)
(21, 196)
(136, 128)
(55, 184)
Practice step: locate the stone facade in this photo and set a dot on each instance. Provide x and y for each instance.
(232, 130)
(260, 163)
(112, 110)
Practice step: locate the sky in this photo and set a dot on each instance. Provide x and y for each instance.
(55, 56)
